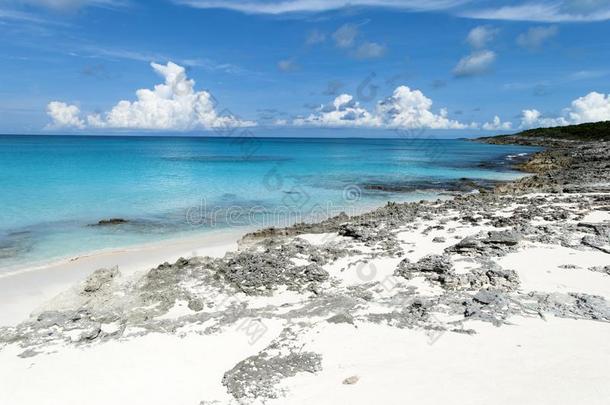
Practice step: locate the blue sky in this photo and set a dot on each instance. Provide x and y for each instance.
(451, 66)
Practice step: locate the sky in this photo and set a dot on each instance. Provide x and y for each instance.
(453, 67)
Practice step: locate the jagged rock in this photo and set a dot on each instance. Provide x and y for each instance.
(195, 305)
(508, 238)
(490, 243)
(99, 279)
(601, 269)
(573, 305)
(262, 272)
(257, 376)
(341, 318)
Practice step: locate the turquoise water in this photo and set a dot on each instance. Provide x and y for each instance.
(54, 187)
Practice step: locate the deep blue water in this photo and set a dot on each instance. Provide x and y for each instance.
(53, 187)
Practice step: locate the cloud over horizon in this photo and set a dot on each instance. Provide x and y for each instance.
(593, 107)
(172, 105)
(405, 108)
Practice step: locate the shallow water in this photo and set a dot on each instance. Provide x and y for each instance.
(55, 187)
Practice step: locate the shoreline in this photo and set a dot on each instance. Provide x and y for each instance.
(25, 290)
(30, 281)
(506, 283)
(39, 245)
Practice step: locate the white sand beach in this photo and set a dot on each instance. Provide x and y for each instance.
(26, 289)
(365, 334)
(305, 202)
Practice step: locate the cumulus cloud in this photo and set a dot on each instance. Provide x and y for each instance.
(497, 125)
(476, 63)
(64, 115)
(534, 119)
(405, 108)
(342, 112)
(172, 105)
(535, 37)
(480, 37)
(408, 108)
(370, 50)
(593, 107)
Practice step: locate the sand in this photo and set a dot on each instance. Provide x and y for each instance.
(25, 290)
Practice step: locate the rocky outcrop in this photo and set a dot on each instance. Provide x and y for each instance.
(111, 221)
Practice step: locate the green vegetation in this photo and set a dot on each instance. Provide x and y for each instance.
(584, 132)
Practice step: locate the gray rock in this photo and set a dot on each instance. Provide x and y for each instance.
(257, 376)
(99, 279)
(341, 318)
(351, 380)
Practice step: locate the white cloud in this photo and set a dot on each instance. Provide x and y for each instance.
(520, 10)
(64, 115)
(590, 108)
(497, 125)
(547, 11)
(534, 119)
(346, 35)
(172, 105)
(296, 6)
(406, 108)
(593, 107)
(342, 112)
(535, 37)
(524, 10)
(370, 50)
(480, 37)
(475, 64)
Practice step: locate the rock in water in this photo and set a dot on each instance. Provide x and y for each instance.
(111, 221)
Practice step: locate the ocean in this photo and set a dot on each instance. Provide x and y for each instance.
(56, 189)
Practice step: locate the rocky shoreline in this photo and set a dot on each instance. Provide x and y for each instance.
(436, 267)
